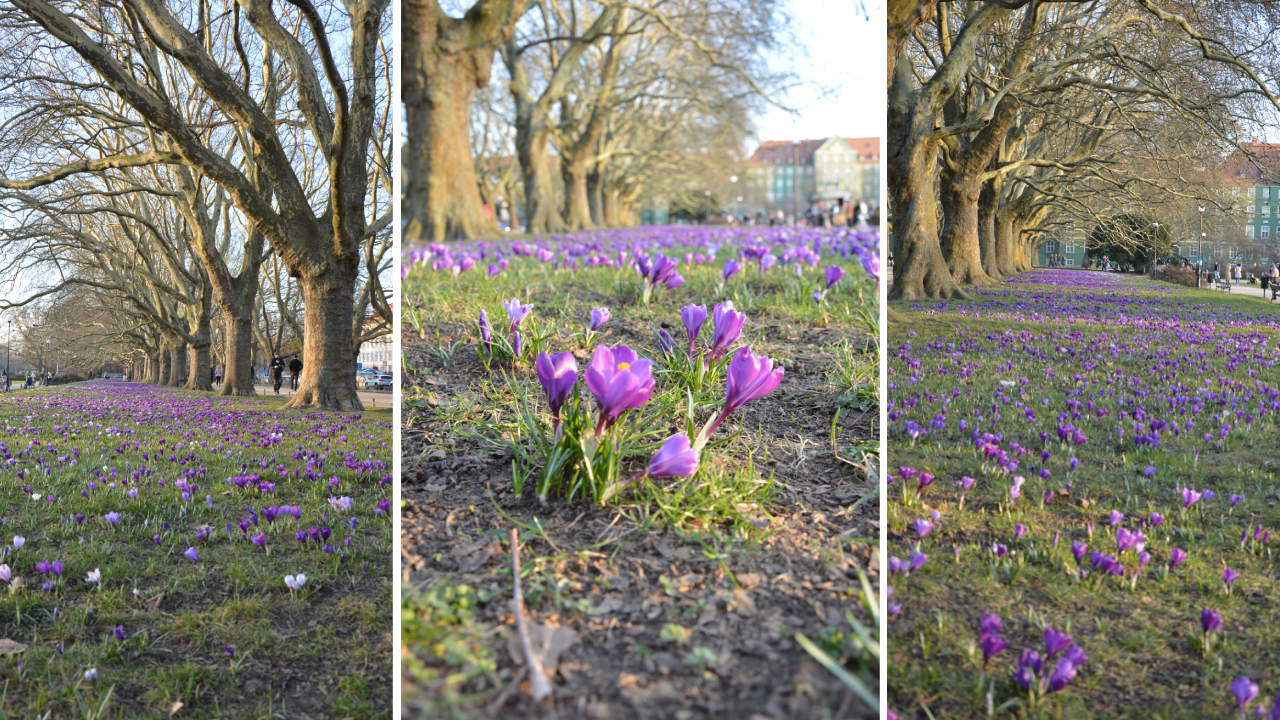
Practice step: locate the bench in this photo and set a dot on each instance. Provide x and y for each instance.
(1222, 284)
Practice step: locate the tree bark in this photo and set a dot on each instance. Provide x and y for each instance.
(959, 238)
(541, 213)
(328, 357)
(166, 367)
(988, 204)
(595, 196)
(237, 376)
(445, 61)
(177, 363)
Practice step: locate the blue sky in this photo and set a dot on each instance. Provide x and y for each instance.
(845, 69)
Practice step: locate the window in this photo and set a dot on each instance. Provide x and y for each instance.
(1192, 252)
(1050, 247)
(1070, 249)
(1266, 231)
(1071, 262)
(1235, 192)
(1251, 210)
(1217, 251)
(1266, 193)
(1248, 232)
(1252, 191)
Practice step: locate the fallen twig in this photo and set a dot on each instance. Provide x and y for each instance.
(538, 684)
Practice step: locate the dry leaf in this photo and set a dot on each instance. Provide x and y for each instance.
(153, 604)
(11, 647)
(16, 584)
(174, 708)
(547, 643)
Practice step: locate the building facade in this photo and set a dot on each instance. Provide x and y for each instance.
(792, 175)
(1067, 244)
(1246, 226)
(377, 354)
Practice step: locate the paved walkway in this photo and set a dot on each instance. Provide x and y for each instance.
(369, 398)
(1243, 289)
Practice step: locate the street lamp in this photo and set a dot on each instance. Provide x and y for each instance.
(734, 179)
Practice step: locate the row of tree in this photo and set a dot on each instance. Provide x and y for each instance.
(179, 159)
(604, 105)
(1009, 122)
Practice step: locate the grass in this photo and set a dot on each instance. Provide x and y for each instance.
(176, 616)
(1025, 358)
(830, 357)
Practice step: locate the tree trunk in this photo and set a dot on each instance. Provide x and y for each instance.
(328, 353)
(959, 239)
(611, 218)
(577, 205)
(1005, 249)
(177, 363)
(988, 204)
(595, 197)
(200, 376)
(541, 214)
(166, 367)
(445, 61)
(237, 376)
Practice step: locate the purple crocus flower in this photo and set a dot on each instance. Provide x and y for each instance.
(1019, 530)
(916, 561)
(516, 342)
(676, 458)
(486, 330)
(1189, 497)
(990, 624)
(922, 528)
(516, 312)
(1229, 577)
(1156, 519)
(750, 377)
(1115, 517)
(693, 317)
(1177, 556)
(558, 373)
(112, 517)
(1079, 549)
(620, 381)
(834, 274)
(230, 651)
(192, 554)
(260, 540)
(1210, 621)
(120, 632)
(1055, 641)
(1235, 499)
(664, 339)
(1245, 691)
(599, 316)
(726, 326)
(871, 264)
(1063, 673)
(992, 645)
(731, 268)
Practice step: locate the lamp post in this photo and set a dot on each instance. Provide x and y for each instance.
(1200, 247)
(734, 179)
(7, 345)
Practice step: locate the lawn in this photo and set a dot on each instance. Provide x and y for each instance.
(1082, 496)
(688, 593)
(150, 540)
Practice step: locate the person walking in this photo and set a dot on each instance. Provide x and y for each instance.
(217, 376)
(295, 371)
(1236, 273)
(277, 371)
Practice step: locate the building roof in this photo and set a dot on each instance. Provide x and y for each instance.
(1252, 164)
(782, 152)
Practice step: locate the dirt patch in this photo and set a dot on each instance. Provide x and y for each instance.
(696, 623)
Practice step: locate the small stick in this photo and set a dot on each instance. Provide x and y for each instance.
(537, 677)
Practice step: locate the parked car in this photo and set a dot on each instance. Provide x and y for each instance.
(380, 381)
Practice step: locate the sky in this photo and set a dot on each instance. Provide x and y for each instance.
(845, 71)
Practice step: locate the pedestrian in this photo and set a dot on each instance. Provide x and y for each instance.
(277, 371)
(4, 379)
(1236, 273)
(295, 371)
(217, 376)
